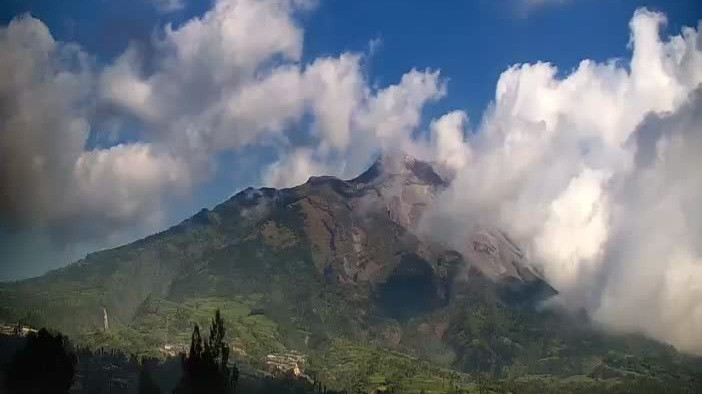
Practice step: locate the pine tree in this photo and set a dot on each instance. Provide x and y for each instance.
(206, 366)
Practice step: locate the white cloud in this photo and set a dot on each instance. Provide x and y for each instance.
(575, 229)
(49, 179)
(653, 258)
(335, 87)
(449, 141)
(235, 36)
(197, 95)
(553, 164)
(122, 182)
(355, 123)
(294, 169)
(267, 104)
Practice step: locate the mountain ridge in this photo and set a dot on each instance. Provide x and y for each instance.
(326, 261)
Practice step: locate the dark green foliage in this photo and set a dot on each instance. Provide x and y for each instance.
(286, 384)
(118, 373)
(206, 366)
(45, 365)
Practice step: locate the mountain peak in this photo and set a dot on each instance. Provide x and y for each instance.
(391, 166)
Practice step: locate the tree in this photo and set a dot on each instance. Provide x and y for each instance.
(206, 366)
(45, 365)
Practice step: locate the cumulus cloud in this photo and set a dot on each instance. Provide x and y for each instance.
(49, 179)
(246, 86)
(194, 94)
(449, 149)
(609, 220)
(38, 92)
(295, 168)
(653, 257)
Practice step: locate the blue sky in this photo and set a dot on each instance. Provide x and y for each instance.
(471, 43)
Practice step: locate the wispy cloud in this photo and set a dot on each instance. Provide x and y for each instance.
(167, 6)
(523, 8)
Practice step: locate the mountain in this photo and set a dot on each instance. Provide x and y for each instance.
(332, 274)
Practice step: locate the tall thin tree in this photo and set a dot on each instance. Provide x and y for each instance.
(206, 366)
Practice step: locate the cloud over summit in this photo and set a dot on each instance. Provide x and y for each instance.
(594, 174)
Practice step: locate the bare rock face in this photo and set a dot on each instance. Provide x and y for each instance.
(360, 230)
(496, 256)
(362, 235)
(402, 185)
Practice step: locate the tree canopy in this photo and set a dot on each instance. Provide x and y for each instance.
(44, 365)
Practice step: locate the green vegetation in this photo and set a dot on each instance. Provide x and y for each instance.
(361, 368)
